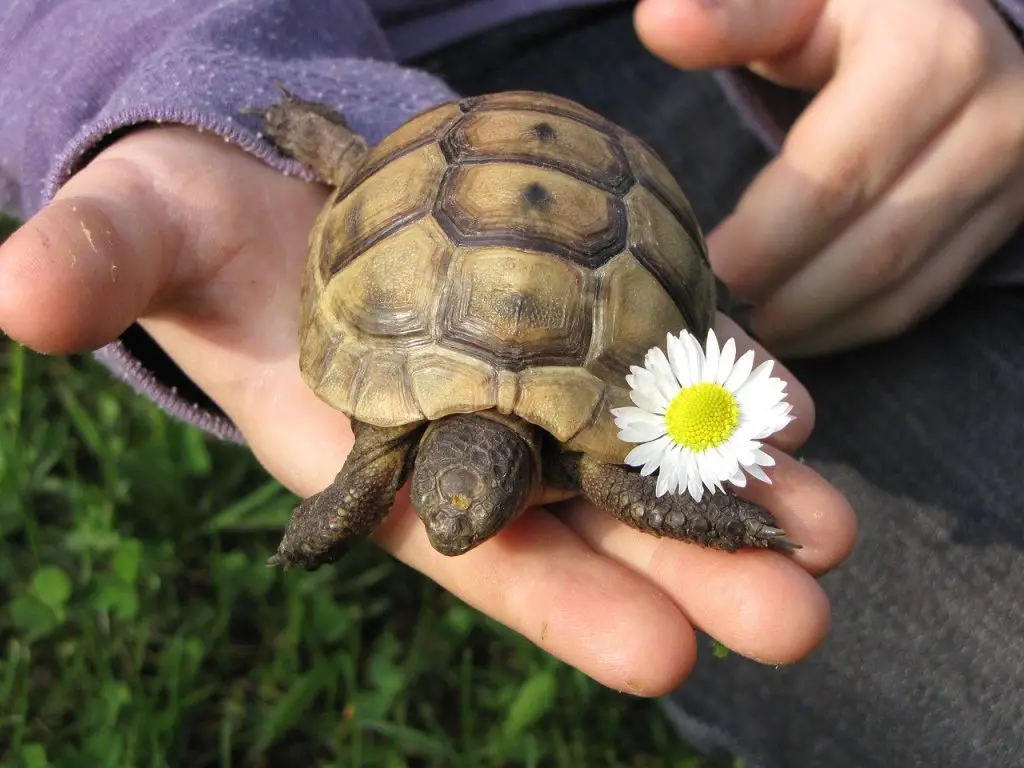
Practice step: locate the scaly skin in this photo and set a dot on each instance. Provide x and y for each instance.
(719, 521)
(324, 525)
(472, 477)
(315, 135)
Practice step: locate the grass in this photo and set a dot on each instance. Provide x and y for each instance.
(140, 626)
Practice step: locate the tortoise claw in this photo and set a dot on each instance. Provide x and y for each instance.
(776, 538)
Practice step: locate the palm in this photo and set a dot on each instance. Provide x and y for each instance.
(209, 246)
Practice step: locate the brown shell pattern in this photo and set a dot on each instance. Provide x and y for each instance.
(515, 252)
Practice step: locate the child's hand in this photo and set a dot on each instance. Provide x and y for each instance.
(205, 246)
(904, 173)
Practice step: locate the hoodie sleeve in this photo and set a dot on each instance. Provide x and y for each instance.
(74, 73)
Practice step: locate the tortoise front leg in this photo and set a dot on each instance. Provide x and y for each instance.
(316, 136)
(719, 521)
(323, 526)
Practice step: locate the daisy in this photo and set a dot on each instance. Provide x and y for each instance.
(700, 416)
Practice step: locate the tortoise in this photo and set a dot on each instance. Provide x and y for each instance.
(477, 286)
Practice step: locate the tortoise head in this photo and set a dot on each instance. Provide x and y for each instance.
(473, 476)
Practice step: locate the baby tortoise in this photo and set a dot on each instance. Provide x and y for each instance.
(477, 287)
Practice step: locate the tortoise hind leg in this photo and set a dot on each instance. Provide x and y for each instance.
(719, 521)
(316, 136)
(323, 526)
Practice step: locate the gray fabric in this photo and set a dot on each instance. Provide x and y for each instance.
(925, 663)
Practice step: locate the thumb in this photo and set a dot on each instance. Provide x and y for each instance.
(80, 271)
(787, 40)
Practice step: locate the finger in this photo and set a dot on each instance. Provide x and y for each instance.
(921, 293)
(763, 605)
(80, 271)
(705, 35)
(542, 580)
(919, 215)
(852, 142)
(796, 433)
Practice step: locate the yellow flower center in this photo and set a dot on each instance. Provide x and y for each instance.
(702, 416)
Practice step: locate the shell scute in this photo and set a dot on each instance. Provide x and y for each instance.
(622, 335)
(565, 145)
(517, 308)
(530, 207)
(544, 104)
(444, 382)
(542, 399)
(389, 290)
(669, 252)
(383, 394)
(396, 195)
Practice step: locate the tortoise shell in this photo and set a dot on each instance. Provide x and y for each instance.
(514, 252)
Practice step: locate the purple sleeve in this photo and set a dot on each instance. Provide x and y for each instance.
(74, 72)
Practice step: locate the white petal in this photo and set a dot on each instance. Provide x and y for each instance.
(763, 371)
(627, 415)
(726, 462)
(664, 379)
(639, 432)
(694, 358)
(720, 471)
(671, 470)
(740, 371)
(761, 396)
(765, 425)
(708, 477)
(639, 416)
(650, 455)
(661, 487)
(757, 472)
(650, 400)
(679, 360)
(726, 361)
(622, 411)
(777, 425)
(743, 448)
(762, 410)
(710, 372)
(764, 459)
(643, 380)
(680, 461)
(694, 485)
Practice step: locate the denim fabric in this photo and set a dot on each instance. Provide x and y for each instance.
(925, 662)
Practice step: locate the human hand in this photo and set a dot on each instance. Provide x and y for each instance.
(904, 173)
(208, 246)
